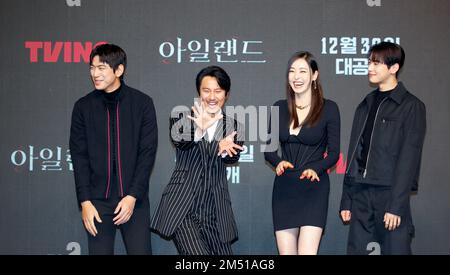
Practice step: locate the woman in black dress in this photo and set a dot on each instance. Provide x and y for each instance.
(309, 135)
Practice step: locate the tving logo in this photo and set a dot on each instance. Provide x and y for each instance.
(54, 51)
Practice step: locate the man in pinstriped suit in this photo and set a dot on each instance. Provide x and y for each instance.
(195, 208)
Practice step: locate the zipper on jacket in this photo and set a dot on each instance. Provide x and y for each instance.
(118, 149)
(357, 142)
(371, 135)
(109, 153)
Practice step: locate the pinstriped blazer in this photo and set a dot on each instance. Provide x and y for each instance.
(197, 162)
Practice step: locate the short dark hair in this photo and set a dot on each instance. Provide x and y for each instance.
(388, 53)
(110, 54)
(215, 71)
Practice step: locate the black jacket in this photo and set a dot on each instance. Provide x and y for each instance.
(90, 144)
(395, 151)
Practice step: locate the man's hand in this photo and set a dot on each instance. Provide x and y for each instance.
(391, 221)
(282, 166)
(88, 213)
(346, 215)
(203, 119)
(124, 209)
(228, 146)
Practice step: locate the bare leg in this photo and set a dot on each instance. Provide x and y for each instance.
(309, 240)
(287, 241)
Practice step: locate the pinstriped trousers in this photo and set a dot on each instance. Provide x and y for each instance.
(198, 233)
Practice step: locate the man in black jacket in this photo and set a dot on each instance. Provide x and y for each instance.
(113, 139)
(384, 159)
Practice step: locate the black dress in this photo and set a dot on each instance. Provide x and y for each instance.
(297, 202)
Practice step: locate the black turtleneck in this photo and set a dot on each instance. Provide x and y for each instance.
(112, 96)
(366, 136)
(112, 99)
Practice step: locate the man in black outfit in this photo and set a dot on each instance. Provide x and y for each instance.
(384, 159)
(113, 139)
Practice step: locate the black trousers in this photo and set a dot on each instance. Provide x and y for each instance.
(368, 234)
(135, 233)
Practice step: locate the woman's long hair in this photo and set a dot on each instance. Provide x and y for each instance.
(317, 101)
